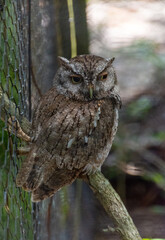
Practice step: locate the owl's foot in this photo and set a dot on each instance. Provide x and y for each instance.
(14, 125)
(91, 168)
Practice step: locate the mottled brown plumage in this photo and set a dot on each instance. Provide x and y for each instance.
(73, 126)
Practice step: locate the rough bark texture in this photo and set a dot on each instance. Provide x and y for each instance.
(113, 205)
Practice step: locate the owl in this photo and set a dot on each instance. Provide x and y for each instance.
(73, 126)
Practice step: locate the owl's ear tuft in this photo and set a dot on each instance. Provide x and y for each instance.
(110, 61)
(63, 61)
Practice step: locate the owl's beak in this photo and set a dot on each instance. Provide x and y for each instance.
(91, 87)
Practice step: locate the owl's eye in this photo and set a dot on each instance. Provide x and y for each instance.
(76, 79)
(103, 76)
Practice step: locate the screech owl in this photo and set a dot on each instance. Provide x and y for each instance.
(73, 125)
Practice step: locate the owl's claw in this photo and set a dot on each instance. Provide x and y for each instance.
(91, 169)
(14, 125)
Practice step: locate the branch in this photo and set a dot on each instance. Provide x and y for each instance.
(8, 107)
(113, 205)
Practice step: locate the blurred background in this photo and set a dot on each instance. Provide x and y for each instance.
(133, 32)
(32, 35)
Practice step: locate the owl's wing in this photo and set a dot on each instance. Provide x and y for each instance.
(43, 180)
(30, 174)
(28, 166)
(54, 182)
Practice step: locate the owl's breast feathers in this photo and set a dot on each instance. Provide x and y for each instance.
(68, 135)
(74, 132)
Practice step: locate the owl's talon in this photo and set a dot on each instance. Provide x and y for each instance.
(90, 169)
(15, 125)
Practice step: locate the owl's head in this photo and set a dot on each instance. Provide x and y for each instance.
(86, 77)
